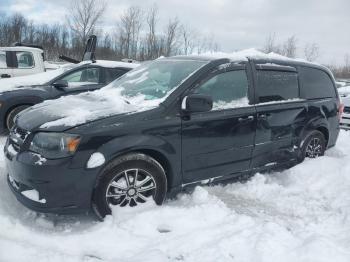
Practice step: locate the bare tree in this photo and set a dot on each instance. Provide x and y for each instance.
(129, 31)
(311, 52)
(84, 16)
(290, 47)
(171, 36)
(151, 20)
(188, 39)
(270, 45)
(347, 61)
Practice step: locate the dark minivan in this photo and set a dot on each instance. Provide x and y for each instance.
(169, 124)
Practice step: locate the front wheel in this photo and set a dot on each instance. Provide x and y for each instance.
(12, 114)
(129, 180)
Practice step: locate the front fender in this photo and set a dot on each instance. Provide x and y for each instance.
(152, 145)
(9, 103)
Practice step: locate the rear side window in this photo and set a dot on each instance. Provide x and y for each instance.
(276, 86)
(315, 83)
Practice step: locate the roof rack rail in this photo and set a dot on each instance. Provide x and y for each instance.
(28, 45)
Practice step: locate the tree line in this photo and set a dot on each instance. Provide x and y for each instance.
(137, 35)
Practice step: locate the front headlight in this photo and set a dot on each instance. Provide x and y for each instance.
(55, 145)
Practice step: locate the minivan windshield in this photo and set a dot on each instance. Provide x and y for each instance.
(155, 80)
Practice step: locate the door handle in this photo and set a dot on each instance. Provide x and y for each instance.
(246, 119)
(5, 76)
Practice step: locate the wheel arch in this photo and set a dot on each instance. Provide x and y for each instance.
(161, 151)
(12, 107)
(157, 155)
(318, 124)
(325, 132)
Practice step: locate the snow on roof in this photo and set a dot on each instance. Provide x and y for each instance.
(113, 64)
(21, 48)
(252, 53)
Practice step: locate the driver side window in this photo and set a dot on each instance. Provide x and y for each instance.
(85, 76)
(228, 89)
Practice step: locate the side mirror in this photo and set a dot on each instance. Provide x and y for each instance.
(60, 84)
(197, 103)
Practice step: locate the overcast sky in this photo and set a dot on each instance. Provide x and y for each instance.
(235, 24)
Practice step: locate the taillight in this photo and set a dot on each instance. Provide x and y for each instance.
(340, 110)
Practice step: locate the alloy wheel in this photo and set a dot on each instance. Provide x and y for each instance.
(314, 148)
(130, 188)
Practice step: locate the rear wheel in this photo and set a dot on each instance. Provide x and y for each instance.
(11, 115)
(130, 180)
(314, 145)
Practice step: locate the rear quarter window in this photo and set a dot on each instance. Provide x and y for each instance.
(315, 84)
(276, 86)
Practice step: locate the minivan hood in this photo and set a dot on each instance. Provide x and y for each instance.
(67, 112)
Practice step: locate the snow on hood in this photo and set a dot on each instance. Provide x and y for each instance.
(85, 107)
(78, 109)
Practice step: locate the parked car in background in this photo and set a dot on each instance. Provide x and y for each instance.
(172, 123)
(345, 120)
(72, 79)
(20, 61)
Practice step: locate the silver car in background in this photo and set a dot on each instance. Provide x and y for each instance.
(344, 93)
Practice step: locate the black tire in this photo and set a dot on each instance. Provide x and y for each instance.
(313, 145)
(11, 115)
(119, 171)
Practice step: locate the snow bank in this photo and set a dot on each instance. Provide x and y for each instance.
(345, 90)
(301, 214)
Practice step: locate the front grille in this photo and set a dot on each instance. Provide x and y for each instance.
(17, 137)
(20, 133)
(347, 110)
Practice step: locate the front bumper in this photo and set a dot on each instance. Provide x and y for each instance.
(64, 187)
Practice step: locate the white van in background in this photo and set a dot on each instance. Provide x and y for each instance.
(21, 61)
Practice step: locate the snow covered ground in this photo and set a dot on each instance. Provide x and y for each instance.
(301, 214)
